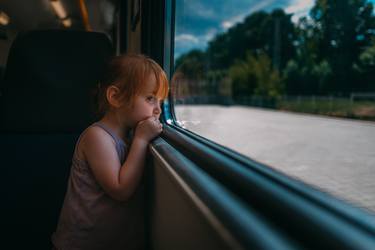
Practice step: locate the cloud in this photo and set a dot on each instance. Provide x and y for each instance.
(186, 42)
(299, 5)
(186, 38)
(261, 5)
(226, 24)
(198, 8)
(299, 8)
(209, 34)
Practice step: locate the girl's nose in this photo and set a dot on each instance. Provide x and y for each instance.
(157, 109)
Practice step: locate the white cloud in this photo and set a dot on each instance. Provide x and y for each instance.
(187, 38)
(299, 8)
(200, 9)
(197, 40)
(226, 24)
(186, 42)
(209, 34)
(299, 5)
(261, 5)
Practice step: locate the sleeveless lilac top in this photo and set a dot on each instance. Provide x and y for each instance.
(90, 219)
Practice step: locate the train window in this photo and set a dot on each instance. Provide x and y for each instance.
(290, 84)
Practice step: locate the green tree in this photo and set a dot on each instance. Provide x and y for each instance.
(190, 70)
(261, 32)
(192, 64)
(304, 77)
(343, 29)
(255, 76)
(365, 70)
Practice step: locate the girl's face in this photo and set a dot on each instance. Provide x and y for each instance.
(146, 104)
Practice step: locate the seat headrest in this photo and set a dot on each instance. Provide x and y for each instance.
(49, 80)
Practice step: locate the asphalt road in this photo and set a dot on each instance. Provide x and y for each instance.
(334, 155)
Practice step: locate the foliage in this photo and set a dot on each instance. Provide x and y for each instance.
(192, 64)
(270, 33)
(329, 52)
(343, 29)
(365, 70)
(307, 78)
(255, 76)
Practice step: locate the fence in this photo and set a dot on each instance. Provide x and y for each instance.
(357, 105)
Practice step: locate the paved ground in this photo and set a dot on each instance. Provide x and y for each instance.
(336, 155)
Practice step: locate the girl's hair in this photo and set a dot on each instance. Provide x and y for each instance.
(130, 72)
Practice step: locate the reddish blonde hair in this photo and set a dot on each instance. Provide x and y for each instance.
(130, 72)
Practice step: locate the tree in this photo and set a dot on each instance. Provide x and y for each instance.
(307, 73)
(261, 32)
(306, 77)
(255, 76)
(189, 76)
(343, 30)
(192, 64)
(365, 70)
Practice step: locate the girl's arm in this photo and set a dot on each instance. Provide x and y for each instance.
(118, 181)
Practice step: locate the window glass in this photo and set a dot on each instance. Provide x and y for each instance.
(288, 83)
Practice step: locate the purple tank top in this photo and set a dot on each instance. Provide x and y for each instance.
(91, 219)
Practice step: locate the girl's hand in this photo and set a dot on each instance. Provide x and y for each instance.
(148, 129)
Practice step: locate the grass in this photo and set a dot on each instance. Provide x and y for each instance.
(363, 110)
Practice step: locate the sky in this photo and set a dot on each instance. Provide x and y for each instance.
(198, 21)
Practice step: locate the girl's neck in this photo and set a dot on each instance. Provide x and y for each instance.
(112, 121)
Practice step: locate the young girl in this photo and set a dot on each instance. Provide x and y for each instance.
(101, 206)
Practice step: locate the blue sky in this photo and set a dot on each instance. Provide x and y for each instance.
(198, 21)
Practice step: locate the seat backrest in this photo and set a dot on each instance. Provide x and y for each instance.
(48, 78)
(46, 102)
(1, 77)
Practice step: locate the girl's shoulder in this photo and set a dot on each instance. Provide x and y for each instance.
(90, 137)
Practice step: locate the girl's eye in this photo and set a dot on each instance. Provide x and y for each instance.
(151, 98)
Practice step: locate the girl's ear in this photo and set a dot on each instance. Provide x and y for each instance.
(113, 96)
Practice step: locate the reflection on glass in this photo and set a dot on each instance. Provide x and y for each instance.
(238, 64)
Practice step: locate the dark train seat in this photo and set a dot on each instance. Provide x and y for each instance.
(1, 75)
(46, 102)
